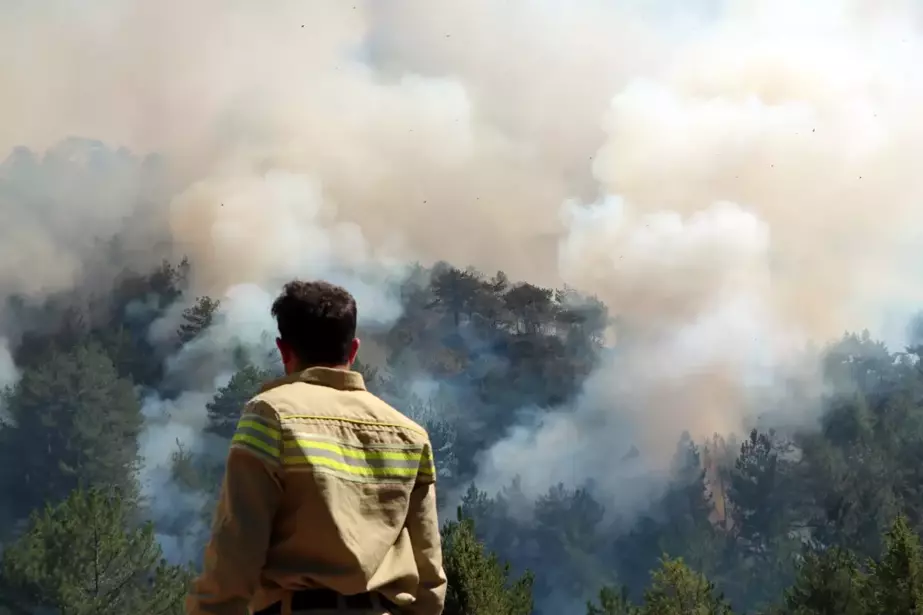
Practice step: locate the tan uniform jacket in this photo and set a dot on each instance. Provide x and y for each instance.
(325, 486)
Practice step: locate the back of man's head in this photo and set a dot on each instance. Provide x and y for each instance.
(317, 324)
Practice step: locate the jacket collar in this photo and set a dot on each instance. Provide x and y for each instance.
(341, 379)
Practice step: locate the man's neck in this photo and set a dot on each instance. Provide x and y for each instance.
(300, 368)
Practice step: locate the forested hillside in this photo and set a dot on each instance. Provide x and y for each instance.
(823, 519)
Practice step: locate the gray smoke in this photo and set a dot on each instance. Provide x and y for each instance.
(8, 372)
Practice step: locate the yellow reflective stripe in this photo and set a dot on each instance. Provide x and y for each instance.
(427, 465)
(251, 442)
(258, 434)
(260, 423)
(351, 461)
(259, 430)
(359, 470)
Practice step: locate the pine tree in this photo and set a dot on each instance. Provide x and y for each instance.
(478, 583)
(72, 422)
(677, 590)
(224, 409)
(611, 602)
(197, 318)
(82, 557)
(828, 583)
(896, 580)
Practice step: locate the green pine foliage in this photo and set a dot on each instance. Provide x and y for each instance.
(478, 583)
(86, 556)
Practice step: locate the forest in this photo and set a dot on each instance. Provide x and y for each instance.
(819, 520)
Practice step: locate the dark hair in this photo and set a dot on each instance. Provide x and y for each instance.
(317, 320)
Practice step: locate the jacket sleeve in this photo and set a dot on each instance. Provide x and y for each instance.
(423, 528)
(250, 495)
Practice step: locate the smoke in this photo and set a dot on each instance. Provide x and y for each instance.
(734, 179)
(762, 196)
(174, 426)
(700, 345)
(8, 372)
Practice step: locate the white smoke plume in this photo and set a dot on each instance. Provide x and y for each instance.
(8, 372)
(173, 426)
(765, 198)
(733, 178)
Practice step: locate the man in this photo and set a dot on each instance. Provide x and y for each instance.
(328, 502)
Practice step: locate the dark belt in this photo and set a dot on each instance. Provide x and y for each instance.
(320, 599)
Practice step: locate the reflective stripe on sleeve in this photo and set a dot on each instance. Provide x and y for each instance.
(260, 435)
(427, 465)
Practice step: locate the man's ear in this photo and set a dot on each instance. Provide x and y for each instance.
(353, 350)
(284, 350)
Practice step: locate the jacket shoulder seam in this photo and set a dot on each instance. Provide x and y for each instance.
(258, 402)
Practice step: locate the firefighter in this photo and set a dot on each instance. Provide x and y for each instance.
(328, 501)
